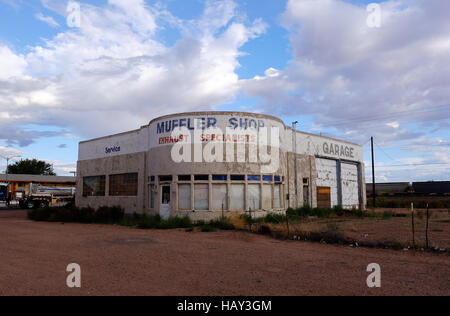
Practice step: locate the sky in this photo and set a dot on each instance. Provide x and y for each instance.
(71, 71)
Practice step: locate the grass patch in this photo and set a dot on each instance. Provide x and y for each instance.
(386, 202)
(116, 216)
(388, 214)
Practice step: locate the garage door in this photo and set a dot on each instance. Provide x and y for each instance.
(323, 197)
(327, 178)
(350, 185)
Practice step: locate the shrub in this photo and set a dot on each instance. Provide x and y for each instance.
(274, 218)
(176, 222)
(39, 215)
(388, 214)
(333, 227)
(338, 210)
(207, 229)
(222, 224)
(113, 214)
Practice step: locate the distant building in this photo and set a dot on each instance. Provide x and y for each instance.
(20, 182)
(417, 188)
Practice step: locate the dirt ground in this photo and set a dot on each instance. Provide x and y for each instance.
(124, 261)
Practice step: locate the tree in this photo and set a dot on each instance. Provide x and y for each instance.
(31, 166)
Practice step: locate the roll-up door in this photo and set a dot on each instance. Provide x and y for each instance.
(327, 178)
(350, 185)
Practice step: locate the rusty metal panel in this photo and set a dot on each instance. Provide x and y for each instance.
(324, 197)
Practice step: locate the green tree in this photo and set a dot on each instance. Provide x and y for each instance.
(31, 166)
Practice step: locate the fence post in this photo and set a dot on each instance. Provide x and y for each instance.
(428, 220)
(413, 228)
(287, 224)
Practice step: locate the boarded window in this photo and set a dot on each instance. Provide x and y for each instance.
(219, 193)
(323, 197)
(184, 196)
(254, 196)
(123, 184)
(237, 196)
(267, 197)
(277, 196)
(94, 186)
(201, 197)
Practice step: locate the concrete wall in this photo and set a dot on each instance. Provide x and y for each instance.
(131, 163)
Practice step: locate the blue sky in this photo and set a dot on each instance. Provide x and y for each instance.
(315, 62)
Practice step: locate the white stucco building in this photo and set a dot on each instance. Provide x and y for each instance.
(207, 164)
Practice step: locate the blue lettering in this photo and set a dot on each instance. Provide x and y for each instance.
(190, 127)
(160, 128)
(201, 123)
(233, 123)
(183, 123)
(168, 126)
(244, 123)
(212, 122)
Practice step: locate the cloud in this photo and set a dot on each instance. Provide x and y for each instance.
(363, 81)
(9, 152)
(62, 146)
(114, 74)
(47, 19)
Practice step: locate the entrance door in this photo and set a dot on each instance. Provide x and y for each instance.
(164, 210)
(324, 197)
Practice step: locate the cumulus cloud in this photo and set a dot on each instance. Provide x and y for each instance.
(47, 19)
(114, 74)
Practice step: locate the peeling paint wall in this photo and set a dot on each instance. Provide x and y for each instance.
(327, 177)
(350, 189)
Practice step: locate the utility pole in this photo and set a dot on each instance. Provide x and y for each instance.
(373, 176)
(294, 140)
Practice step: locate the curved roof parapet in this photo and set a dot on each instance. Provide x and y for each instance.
(209, 113)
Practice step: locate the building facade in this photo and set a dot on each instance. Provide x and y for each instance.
(208, 164)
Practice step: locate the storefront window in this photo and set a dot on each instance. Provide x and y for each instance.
(123, 184)
(267, 197)
(94, 186)
(237, 197)
(219, 197)
(201, 195)
(277, 196)
(254, 196)
(184, 196)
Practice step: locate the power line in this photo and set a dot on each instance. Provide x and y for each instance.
(412, 165)
(387, 115)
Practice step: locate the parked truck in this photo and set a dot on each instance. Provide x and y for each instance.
(37, 195)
